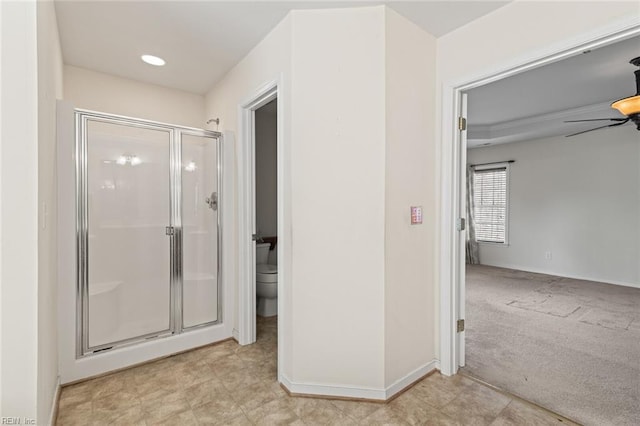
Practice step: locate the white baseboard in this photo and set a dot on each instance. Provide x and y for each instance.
(342, 391)
(411, 378)
(235, 334)
(563, 275)
(54, 404)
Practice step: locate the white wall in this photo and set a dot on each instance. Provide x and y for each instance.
(116, 95)
(410, 181)
(19, 210)
(49, 89)
(266, 172)
(577, 198)
(361, 118)
(338, 194)
(505, 38)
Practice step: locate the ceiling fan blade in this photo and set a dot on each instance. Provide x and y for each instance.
(597, 119)
(597, 128)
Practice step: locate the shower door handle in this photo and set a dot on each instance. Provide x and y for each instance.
(212, 201)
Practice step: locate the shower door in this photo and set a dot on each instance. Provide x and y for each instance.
(147, 230)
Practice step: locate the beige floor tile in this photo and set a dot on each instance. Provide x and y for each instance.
(268, 344)
(250, 350)
(218, 411)
(357, 410)
(74, 395)
(438, 390)
(155, 366)
(193, 372)
(436, 418)
(384, 416)
(77, 414)
(113, 404)
(152, 386)
(237, 385)
(226, 365)
(519, 413)
(253, 396)
(133, 416)
(476, 405)
(107, 385)
(411, 409)
(278, 411)
(267, 371)
(235, 380)
(213, 352)
(185, 418)
(203, 393)
(320, 412)
(164, 407)
(275, 387)
(241, 420)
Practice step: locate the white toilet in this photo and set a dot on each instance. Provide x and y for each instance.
(266, 282)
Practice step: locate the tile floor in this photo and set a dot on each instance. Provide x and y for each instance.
(228, 384)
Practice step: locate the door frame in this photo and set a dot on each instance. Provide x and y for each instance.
(452, 184)
(246, 333)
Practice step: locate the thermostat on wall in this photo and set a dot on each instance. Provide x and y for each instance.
(416, 215)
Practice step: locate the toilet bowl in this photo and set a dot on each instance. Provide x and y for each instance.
(266, 283)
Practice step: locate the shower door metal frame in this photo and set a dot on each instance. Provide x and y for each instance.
(180, 300)
(82, 117)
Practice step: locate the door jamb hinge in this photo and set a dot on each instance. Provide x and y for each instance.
(460, 326)
(462, 123)
(461, 224)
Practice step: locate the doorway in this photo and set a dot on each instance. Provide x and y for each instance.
(248, 232)
(453, 203)
(493, 173)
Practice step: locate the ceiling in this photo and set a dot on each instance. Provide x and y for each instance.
(202, 40)
(536, 103)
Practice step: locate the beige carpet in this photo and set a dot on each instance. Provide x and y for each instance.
(569, 345)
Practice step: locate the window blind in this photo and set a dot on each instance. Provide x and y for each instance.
(490, 204)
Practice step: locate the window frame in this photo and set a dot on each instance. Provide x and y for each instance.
(507, 214)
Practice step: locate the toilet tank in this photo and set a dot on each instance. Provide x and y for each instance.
(262, 253)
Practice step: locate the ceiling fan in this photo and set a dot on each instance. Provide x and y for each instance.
(629, 106)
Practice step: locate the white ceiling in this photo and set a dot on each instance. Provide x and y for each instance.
(202, 40)
(580, 87)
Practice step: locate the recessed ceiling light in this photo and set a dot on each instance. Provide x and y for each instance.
(153, 60)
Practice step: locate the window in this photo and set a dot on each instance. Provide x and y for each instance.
(490, 202)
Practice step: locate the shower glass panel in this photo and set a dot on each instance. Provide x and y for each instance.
(199, 168)
(128, 196)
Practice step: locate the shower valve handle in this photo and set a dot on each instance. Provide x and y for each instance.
(212, 201)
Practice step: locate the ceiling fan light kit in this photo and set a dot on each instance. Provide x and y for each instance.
(629, 106)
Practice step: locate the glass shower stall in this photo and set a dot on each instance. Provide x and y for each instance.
(148, 230)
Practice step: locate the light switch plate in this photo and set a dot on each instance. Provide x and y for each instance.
(416, 215)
